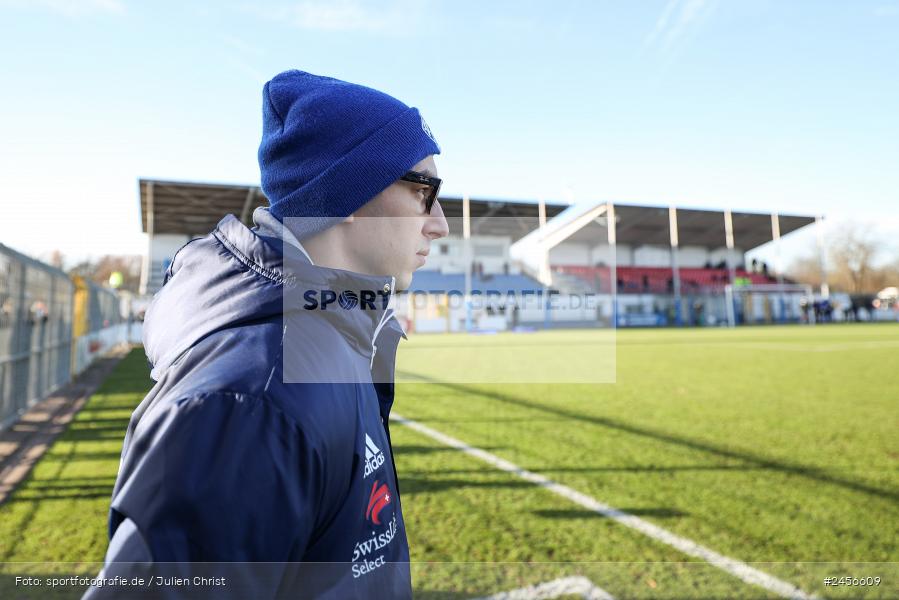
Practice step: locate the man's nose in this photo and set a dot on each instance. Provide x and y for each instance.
(436, 226)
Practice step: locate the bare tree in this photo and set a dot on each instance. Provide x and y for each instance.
(885, 276)
(806, 269)
(100, 269)
(852, 255)
(852, 263)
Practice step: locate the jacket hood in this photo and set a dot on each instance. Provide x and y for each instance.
(235, 276)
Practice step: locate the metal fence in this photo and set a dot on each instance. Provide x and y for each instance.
(36, 304)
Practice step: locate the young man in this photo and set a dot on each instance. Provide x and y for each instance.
(265, 438)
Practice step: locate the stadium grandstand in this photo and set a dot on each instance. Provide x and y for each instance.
(601, 265)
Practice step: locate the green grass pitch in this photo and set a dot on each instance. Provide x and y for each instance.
(775, 446)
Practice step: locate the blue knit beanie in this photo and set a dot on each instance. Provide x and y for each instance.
(329, 146)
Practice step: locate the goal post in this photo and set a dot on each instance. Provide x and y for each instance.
(769, 303)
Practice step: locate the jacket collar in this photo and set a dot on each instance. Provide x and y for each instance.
(275, 232)
(321, 291)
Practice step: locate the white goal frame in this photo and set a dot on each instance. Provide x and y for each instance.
(766, 288)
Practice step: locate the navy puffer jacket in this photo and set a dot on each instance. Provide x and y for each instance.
(265, 438)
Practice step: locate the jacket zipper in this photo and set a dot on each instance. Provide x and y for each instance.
(388, 312)
(396, 477)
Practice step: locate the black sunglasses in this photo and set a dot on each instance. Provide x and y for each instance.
(432, 182)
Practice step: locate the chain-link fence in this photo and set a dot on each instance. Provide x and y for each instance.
(36, 302)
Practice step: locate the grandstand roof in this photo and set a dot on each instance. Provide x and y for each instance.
(189, 208)
(648, 225)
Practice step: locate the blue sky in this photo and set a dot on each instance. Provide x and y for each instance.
(750, 105)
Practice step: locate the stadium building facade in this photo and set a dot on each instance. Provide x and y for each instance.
(512, 264)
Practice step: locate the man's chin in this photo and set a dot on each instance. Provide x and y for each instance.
(403, 282)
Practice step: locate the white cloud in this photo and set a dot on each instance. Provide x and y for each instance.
(70, 8)
(343, 15)
(247, 69)
(677, 19)
(241, 45)
(661, 22)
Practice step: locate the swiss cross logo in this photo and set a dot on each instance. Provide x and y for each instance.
(379, 498)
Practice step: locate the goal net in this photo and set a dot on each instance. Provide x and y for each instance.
(769, 303)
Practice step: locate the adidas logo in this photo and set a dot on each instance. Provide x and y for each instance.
(374, 458)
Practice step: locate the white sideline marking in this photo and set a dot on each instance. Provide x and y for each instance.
(733, 566)
(791, 347)
(553, 589)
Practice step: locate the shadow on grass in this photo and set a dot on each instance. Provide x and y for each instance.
(416, 485)
(33, 509)
(65, 488)
(94, 435)
(99, 422)
(661, 512)
(84, 456)
(128, 382)
(758, 460)
(83, 493)
(67, 484)
(132, 382)
(104, 404)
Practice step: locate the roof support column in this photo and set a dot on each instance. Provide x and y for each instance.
(672, 230)
(822, 259)
(775, 235)
(544, 275)
(466, 249)
(148, 258)
(247, 204)
(731, 267)
(613, 269)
